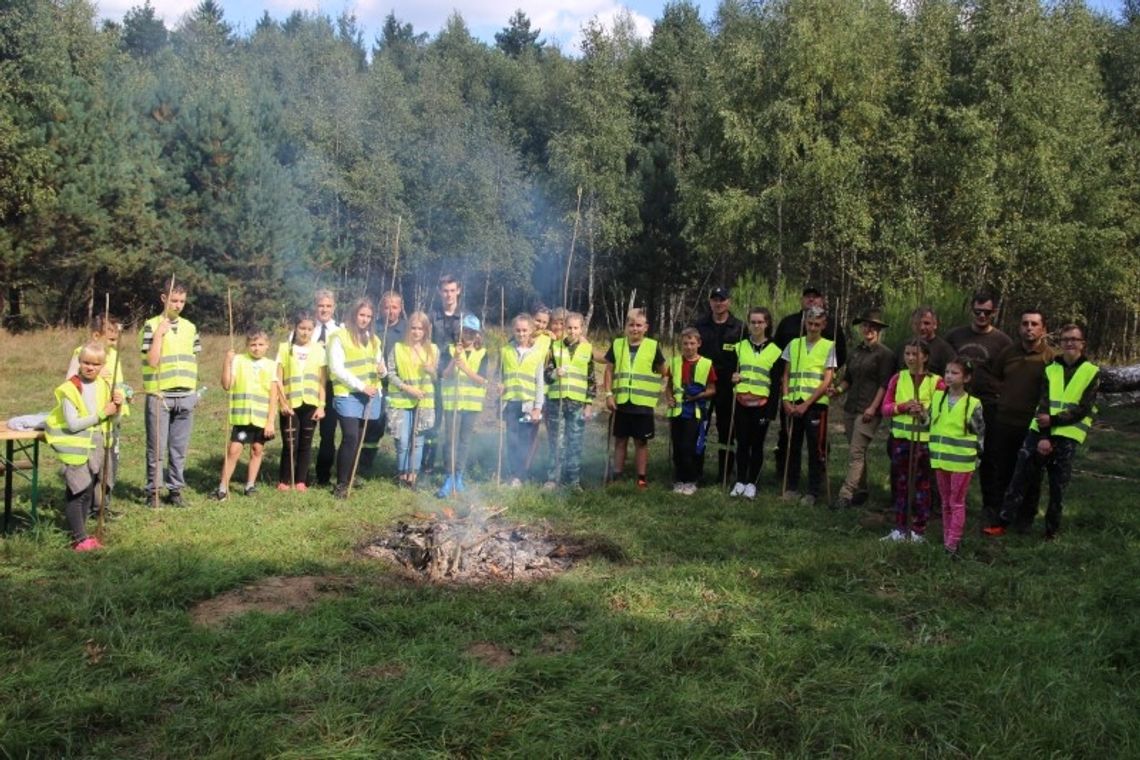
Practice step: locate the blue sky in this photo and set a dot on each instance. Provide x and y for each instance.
(559, 21)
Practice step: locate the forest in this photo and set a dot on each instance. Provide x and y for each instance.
(880, 150)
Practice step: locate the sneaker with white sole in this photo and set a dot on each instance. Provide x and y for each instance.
(917, 538)
(737, 490)
(678, 487)
(750, 491)
(690, 488)
(894, 535)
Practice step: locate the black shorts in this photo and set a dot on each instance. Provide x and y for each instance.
(247, 434)
(637, 426)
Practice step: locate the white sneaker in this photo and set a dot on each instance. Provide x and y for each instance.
(917, 538)
(678, 487)
(690, 489)
(894, 535)
(750, 491)
(737, 490)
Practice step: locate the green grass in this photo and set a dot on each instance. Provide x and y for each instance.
(725, 628)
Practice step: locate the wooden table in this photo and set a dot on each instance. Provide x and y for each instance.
(22, 455)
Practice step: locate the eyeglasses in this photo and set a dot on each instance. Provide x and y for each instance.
(983, 312)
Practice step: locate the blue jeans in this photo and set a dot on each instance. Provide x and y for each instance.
(566, 465)
(409, 444)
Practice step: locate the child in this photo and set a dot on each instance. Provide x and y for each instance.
(356, 363)
(523, 393)
(634, 365)
(85, 406)
(956, 433)
(693, 381)
(755, 357)
(106, 333)
(250, 379)
(1063, 419)
(170, 347)
(557, 332)
(411, 404)
(464, 388)
(543, 337)
(810, 363)
(301, 374)
(907, 405)
(569, 401)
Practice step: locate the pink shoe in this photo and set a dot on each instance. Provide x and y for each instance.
(283, 487)
(301, 488)
(88, 544)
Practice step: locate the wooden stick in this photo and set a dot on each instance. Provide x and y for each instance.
(359, 445)
(292, 451)
(502, 433)
(609, 443)
(158, 410)
(731, 426)
(230, 312)
(103, 486)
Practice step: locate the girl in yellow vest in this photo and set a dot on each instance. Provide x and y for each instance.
(569, 374)
(523, 393)
(463, 388)
(301, 374)
(907, 406)
(106, 333)
(85, 407)
(752, 382)
(957, 430)
(250, 379)
(633, 383)
(356, 363)
(692, 379)
(412, 364)
(557, 332)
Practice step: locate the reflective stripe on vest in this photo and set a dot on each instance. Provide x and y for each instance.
(413, 375)
(755, 367)
(906, 425)
(519, 377)
(575, 385)
(700, 377)
(177, 365)
(953, 447)
(249, 394)
(1065, 397)
(359, 361)
(470, 393)
(637, 384)
(806, 370)
(74, 448)
(302, 379)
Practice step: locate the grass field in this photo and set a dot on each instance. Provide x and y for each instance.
(725, 628)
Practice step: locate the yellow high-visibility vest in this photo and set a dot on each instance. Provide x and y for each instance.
(953, 447)
(755, 367)
(177, 366)
(413, 374)
(1063, 397)
(519, 376)
(460, 387)
(636, 383)
(75, 448)
(907, 425)
(249, 393)
(575, 385)
(806, 369)
(700, 377)
(359, 361)
(302, 379)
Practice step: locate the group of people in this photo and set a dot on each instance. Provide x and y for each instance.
(424, 379)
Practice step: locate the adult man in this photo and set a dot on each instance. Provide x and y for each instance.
(720, 332)
(324, 305)
(790, 328)
(1063, 419)
(446, 321)
(1021, 371)
(982, 343)
(869, 369)
(390, 326)
(924, 325)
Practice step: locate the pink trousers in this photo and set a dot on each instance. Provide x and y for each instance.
(952, 486)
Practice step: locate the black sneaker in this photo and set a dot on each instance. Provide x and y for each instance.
(174, 499)
(250, 489)
(220, 495)
(841, 503)
(340, 492)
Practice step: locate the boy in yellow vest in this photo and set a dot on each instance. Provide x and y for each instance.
(1064, 417)
(463, 391)
(634, 370)
(569, 400)
(692, 379)
(250, 379)
(170, 347)
(76, 429)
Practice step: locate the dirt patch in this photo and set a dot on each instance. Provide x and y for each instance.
(491, 654)
(477, 546)
(557, 642)
(389, 671)
(274, 595)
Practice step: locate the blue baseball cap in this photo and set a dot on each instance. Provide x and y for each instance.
(471, 322)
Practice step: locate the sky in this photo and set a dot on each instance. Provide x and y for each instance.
(560, 21)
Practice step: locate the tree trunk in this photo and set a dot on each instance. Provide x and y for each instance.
(590, 281)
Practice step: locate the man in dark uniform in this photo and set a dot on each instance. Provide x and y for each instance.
(445, 325)
(790, 328)
(720, 332)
